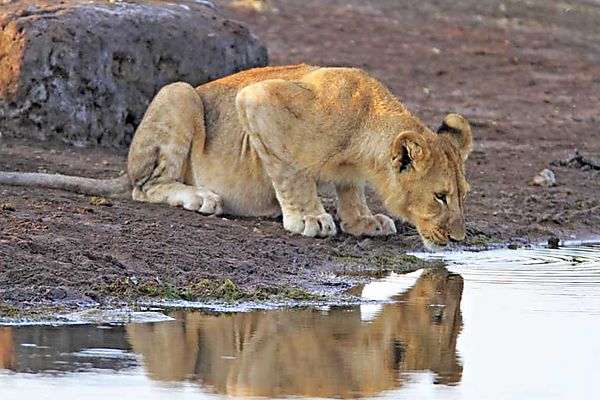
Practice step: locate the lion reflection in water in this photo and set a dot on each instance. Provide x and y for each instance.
(7, 348)
(307, 352)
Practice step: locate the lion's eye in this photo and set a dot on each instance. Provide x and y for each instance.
(441, 197)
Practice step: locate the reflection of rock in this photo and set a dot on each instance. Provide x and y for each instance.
(308, 352)
(84, 71)
(48, 348)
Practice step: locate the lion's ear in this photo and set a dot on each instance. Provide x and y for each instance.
(460, 131)
(409, 151)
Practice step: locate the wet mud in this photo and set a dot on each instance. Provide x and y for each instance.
(524, 74)
(265, 353)
(481, 327)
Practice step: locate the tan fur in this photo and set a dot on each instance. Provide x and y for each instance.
(257, 142)
(7, 348)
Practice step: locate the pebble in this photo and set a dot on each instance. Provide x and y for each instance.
(7, 207)
(100, 201)
(553, 242)
(365, 243)
(57, 293)
(545, 178)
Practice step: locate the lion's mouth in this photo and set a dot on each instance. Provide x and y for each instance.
(434, 239)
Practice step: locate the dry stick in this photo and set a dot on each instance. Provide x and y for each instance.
(577, 160)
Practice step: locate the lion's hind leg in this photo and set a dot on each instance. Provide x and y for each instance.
(178, 194)
(160, 150)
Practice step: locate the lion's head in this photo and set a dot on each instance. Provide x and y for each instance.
(428, 184)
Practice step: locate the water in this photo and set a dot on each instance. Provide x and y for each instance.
(495, 325)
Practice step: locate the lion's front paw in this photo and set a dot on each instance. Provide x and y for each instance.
(372, 225)
(321, 225)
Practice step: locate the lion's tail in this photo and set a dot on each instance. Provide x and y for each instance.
(117, 188)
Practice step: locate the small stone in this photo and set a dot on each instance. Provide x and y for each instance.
(365, 243)
(553, 242)
(7, 207)
(256, 5)
(57, 293)
(100, 201)
(545, 178)
(83, 210)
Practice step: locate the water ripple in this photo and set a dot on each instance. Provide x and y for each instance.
(571, 268)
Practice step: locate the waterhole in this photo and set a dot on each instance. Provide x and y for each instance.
(505, 324)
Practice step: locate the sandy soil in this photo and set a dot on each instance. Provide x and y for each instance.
(526, 74)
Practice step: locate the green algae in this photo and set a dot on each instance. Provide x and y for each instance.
(382, 264)
(204, 290)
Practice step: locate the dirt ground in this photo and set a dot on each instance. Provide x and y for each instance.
(526, 74)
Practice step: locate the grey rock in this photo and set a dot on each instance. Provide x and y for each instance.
(553, 242)
(545, 178)
(58, 293)
(84, 71)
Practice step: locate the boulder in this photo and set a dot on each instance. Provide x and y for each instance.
(84, 71)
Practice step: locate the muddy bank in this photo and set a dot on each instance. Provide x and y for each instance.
(69, 247)
(524, 74)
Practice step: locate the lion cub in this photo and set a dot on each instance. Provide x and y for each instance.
(255, 143)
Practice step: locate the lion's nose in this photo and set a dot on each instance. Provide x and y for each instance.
(457, 231)
(453, 240)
